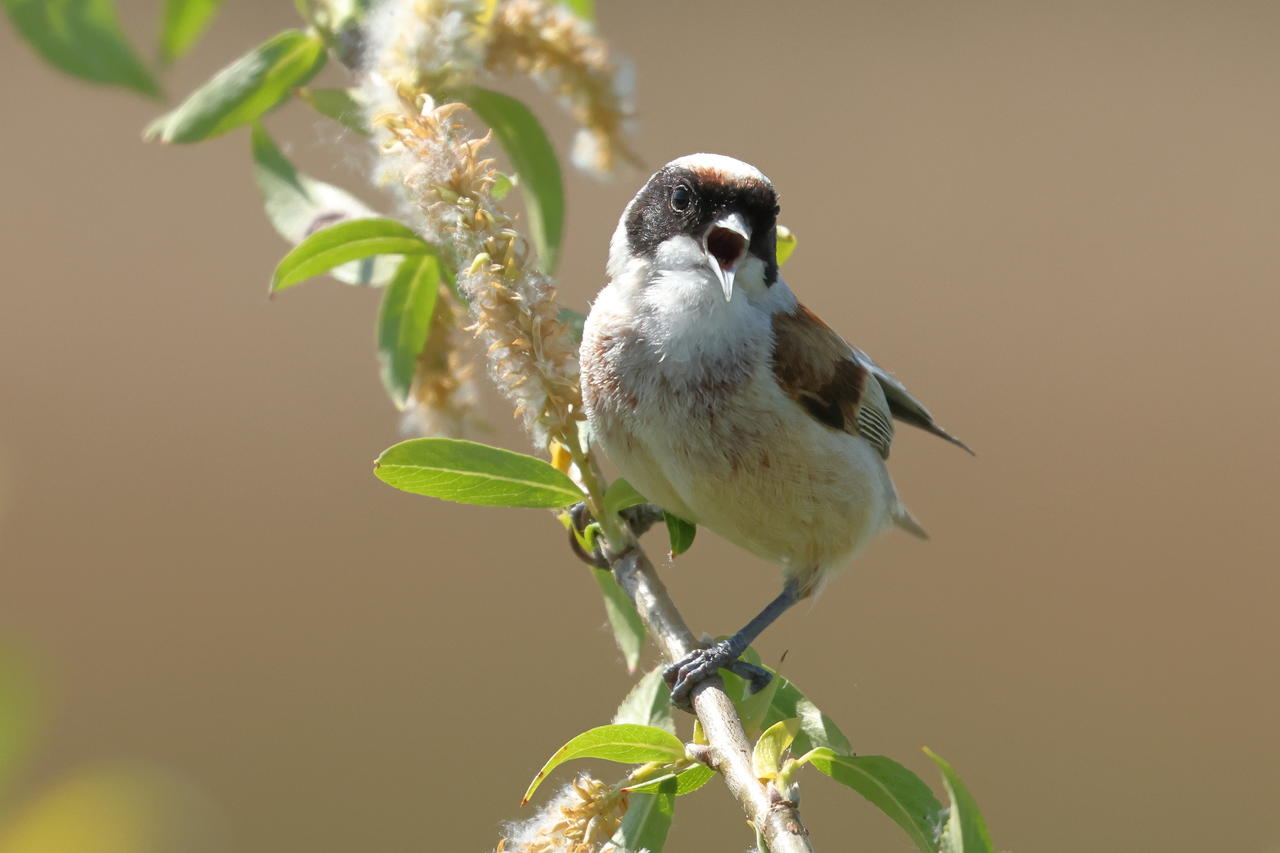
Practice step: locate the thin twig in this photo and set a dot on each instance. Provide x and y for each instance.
(776, 819)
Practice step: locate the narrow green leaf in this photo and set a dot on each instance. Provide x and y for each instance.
(787, 702)
(298, 205)
(786, 243)
(628, 629)
(648, 703)
(184, 22)
(530, 150)
(888, 786)
(471, 473)
(766, 757)
(687, 781)
(17, 715)
(244, 90)
(680, 533)
(82, 38)
(342, 243)
(403, 323)
(621, 495)
(965, 830)
(339, 105)
(753, 709)
(624, 743)
(816, 728)
(648, 819)
(584, 9)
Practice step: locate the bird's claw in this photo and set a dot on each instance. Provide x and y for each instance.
(581, 518)
(757, 677)
(639, 518)
(700, 664)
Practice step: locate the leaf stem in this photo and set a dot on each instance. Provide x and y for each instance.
(615, 532)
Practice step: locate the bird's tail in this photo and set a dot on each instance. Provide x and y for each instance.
(904, 519)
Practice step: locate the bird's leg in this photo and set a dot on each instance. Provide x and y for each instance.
(699, 665)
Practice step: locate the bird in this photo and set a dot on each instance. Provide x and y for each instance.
(726, 402)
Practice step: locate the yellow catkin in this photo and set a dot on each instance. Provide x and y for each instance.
(420, 53)
(513, 305)
(546, 41)
(581, 819)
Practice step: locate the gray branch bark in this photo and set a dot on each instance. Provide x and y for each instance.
(776, 819)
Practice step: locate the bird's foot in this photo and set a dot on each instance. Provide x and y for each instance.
(699, 665)
(757, 677)
(639, 518)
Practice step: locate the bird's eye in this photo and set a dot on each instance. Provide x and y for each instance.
(681, 198)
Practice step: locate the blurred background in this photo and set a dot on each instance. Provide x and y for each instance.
(1058, 223)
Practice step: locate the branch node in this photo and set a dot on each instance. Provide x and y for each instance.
(701, 753)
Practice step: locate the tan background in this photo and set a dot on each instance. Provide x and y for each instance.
(1057, 222)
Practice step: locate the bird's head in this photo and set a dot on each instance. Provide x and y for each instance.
(707, 214)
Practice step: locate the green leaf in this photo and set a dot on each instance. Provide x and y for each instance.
(624, 743)
(453, 469)
(17, 715)
(965, 830)
(403, 323)
(339, 105)
(753, 709)
(244, 90)
(298, 205)
(584, 9)
(648, 703)
(786, 243)
(687, 781)
(344, 242)
(621, 495)
(766, 757)
(787, 702)
(888, 786)
(530, 150)
(680, 533)
(648, 819)
(816, 728)
(628, 629)
(82, 38)
(184, 22)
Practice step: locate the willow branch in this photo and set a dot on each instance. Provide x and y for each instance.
(775, 818)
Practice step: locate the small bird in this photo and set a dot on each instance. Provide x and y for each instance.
(726, 402)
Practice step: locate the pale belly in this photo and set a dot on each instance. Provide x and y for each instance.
(757, 470)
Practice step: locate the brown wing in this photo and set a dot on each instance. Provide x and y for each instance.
(905, 407)
(821, 372)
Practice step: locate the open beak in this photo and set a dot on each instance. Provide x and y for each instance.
(726, 244)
